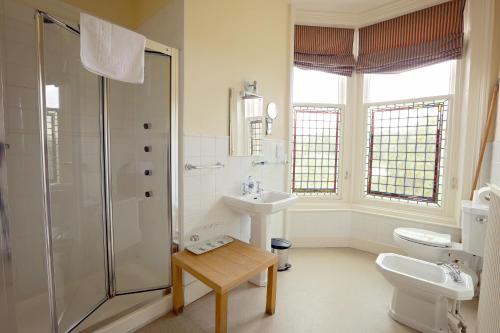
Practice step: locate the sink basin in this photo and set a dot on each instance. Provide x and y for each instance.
(259, 209)
(269, 202)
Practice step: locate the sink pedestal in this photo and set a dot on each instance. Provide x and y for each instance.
(260, 207)
(259, 237)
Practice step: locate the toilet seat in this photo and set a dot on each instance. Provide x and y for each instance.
(424, 237)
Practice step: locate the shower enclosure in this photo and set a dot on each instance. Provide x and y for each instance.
(105, 182)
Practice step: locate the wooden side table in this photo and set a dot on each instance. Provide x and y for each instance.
(223, 269)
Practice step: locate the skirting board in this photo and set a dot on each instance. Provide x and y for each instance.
(149, 313)
(373, 247)
(355, 243)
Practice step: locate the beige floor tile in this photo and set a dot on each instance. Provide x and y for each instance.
(327, 290)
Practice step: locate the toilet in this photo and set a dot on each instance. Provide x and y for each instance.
(423, 287)
(438, 248)
(424, 244)
(421, 291)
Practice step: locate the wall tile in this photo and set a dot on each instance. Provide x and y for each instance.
(207, 146)
(20, 76)
(319, 224)
(207, 184)
(357, 225)
(192, 146)
(21, 97)
(205, 212)
(192, 184)
(495, 163)
(208, 160)
(222, 148)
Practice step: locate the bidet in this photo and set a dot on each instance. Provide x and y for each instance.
(423, 290)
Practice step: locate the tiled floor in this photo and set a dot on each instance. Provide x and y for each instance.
(327, 290)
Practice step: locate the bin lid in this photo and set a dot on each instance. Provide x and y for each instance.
(280, 243)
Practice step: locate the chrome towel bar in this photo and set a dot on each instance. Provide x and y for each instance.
(255, 163)
(217, 165)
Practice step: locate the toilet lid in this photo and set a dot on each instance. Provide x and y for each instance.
(425, 237)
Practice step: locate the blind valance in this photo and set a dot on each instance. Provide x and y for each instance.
(324, 49)
(422, 38)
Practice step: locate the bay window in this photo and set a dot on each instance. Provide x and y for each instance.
(395, 116)
(405, 144)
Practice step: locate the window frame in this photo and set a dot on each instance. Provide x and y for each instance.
(442, 213)
(367, 106)
(53, 113)
(318, 196)
(401, 209)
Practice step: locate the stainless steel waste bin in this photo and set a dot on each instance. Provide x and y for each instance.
(281, 246)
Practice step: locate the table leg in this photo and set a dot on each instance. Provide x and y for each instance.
(272, 276)
(178, 292)
(221, 313)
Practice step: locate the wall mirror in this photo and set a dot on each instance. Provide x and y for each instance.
(246, 118)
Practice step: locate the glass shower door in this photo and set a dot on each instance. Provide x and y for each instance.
(75, 177)
(139, 141)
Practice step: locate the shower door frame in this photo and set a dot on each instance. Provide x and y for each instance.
(172, 160)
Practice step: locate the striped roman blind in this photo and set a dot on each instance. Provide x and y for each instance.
(414, 40)
(324, 49)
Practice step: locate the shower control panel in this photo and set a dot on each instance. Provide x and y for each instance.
(209, 245)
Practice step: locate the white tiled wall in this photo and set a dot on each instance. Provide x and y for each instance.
(495, 163)
(24, 205)
(339, 228)
(205, 213)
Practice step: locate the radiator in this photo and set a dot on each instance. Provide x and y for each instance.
(488, 319)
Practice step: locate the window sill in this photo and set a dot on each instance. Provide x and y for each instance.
(319, 198)
(432, 216)
(412, 216)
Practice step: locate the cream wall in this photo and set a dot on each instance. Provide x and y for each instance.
(123, 12)
(227, 42)
(129, 13)
(149, 8)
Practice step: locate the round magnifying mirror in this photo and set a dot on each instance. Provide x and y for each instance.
(272, 110)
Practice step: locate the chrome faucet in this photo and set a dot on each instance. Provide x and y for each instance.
(244, 188)
(248, 187)
(259, 188)
(453, 271)
(251, 187)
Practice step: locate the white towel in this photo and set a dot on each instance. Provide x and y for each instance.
(110, 50)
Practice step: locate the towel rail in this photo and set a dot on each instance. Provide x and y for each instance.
(217, 165)
(255, 163)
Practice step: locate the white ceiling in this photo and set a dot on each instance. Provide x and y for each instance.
(341, 6)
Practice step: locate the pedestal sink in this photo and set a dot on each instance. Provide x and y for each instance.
(259, 208)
